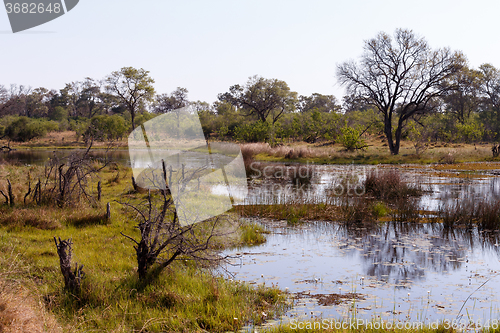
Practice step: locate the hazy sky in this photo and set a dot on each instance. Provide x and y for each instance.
(208, 45)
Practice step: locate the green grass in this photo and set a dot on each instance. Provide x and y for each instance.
(252, 234)
(184, 298)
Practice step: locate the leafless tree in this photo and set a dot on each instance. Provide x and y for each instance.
(163, 238)
(400, 79)
(66, 181)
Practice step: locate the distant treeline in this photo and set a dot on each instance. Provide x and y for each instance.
(466, 109)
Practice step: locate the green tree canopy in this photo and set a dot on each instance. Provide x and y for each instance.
(262, 98)
(134, 87)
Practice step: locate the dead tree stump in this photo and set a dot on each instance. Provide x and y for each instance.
(11, 195)
(108, 211)
(72, 279)
(99, 190)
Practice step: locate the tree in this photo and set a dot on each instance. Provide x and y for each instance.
(490, 87)
(463, 101)
(133, 87)
(176, 100)
(262, 98)
(401, 80)
(318, 102)
(163, 238)
(90, 102)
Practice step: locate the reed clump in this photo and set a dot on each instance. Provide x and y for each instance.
(470, 212)
(388, 184)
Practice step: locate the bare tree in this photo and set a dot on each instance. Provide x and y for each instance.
(163, 238)
(400, 79)
(66, 181)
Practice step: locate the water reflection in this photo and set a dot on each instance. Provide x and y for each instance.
(42, 156)
(382, 262)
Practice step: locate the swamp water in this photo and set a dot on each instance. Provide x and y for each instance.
(397, 272)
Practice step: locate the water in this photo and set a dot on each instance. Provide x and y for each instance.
(42, 156)
(399, 271)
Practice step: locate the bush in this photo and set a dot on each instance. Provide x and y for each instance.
(58, 113)
(106, 128)
(25, 129)
(389, 185)
(253, 132)
(351, 138)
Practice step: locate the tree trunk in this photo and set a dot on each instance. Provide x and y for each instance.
(388, 134)
(11, 195)
(72, 279)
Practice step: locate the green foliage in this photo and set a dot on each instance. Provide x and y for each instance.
(253, 132)
(351, 138)
(470, 131)
(379, 209)
(58, 113)
(252, 234)
(104, 127)
(25, 129)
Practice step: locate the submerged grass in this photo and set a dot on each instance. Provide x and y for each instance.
(468, 212)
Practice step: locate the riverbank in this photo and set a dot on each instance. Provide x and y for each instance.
(376, 151)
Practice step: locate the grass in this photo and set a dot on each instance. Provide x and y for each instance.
(376, 153)
(467, 213)
(252, 233)
(184, 298)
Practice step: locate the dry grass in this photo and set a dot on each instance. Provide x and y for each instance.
(21, 312)
(376, 152)
(388, 184)
(22, 308)
(60, 139)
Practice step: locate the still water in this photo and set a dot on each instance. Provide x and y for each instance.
(397, 271)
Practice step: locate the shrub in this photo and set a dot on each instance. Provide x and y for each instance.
(58, 113)
(25, 129)
(106, 128)
(254, 132)
(389, 185)
(351, 138)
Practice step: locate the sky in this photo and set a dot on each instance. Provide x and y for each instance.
(207, 46)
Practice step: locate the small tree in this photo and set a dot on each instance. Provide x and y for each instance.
(163, 238)
(134, 88)
(351, 138)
